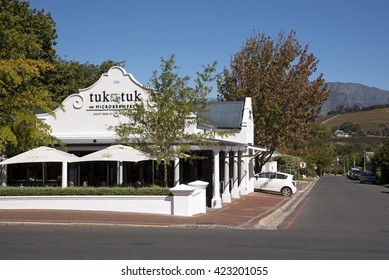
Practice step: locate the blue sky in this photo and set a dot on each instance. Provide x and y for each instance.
(350, 38)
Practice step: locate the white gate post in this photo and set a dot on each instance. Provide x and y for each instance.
(182, 200)
(200, 187)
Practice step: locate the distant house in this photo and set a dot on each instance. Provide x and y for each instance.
(341, 134)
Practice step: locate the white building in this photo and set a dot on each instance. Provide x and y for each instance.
(84, 126)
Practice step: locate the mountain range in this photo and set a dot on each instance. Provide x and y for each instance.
(352, 95)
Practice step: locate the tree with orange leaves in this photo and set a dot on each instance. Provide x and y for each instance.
(276, 74)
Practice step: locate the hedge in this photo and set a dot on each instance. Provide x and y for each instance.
(47, 191)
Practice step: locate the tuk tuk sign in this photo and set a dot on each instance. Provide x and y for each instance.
(89, 114)
(113, 101)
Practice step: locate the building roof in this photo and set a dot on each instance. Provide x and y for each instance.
(223, 115)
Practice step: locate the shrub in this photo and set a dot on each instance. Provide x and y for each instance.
(51, 191)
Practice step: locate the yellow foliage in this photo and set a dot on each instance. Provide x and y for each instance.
(22, 93)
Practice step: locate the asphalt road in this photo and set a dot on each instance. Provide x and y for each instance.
(342, 205)
(339, 219)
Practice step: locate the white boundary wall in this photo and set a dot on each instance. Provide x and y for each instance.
(186, 201)
(137, 204)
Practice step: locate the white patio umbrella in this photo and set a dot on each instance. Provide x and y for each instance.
(44, 154)
(118, 153)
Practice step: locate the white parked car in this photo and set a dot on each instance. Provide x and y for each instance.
(275, 182)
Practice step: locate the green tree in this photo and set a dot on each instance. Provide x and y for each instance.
(32, 76)
(383, 130)
(276, 75)
(351, 128)
(160, 123)
(26, 33)
(67, 77)
(20, 96)
(27, 39)
(319, 152)
(380, 160)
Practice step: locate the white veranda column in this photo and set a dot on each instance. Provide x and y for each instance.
(3, 174)
(216, 199)
(226, 196)
(64, 182)
(235, 180)
(250, 172)
(119, 173)
(176, 172)
(243, 173)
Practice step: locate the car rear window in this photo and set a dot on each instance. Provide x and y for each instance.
(281, 176)
(264, 175)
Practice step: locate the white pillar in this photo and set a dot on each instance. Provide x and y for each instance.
(216, 199)
(182, 200)
(3, 175)
(235, 189)
(243, 174)
(250, 172)
(119, 178)
(176, 172)
(64, 181)
(226, 196)
(200, 204)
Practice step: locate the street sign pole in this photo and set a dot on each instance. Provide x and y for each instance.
(301, 165)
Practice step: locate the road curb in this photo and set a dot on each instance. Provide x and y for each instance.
(80, 224)
(85, 224)
(268, 222)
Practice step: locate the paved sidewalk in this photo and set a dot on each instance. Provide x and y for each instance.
(248, 212)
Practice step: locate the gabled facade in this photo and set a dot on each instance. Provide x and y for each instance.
(86, 118)
(87, 115)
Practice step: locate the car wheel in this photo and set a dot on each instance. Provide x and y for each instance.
(286, 191)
